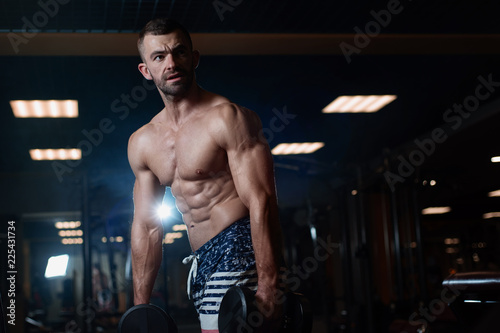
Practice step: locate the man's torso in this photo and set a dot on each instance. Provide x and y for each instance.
(188, 159)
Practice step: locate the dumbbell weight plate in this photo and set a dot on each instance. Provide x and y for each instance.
(298, 314)
(146, 318)
(234, 309)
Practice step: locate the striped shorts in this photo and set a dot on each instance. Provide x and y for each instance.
(224, 261)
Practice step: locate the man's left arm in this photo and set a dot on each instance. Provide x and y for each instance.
(251, 166)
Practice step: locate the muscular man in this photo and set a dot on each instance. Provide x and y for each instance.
(210, 152)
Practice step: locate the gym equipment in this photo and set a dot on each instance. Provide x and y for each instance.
(238, 312)
(146, 318)
(474, 297)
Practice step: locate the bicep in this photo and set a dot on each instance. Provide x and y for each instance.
(148, 192)
(253, 173)
(148, 196)
(249, 157)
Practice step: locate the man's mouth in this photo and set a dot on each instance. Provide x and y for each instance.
(174, 77)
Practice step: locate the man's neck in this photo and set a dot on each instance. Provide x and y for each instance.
(177, 108)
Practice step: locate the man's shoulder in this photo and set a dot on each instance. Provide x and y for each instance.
(143, 133)
(228, 111)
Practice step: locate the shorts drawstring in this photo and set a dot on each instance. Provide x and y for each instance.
(192, 272)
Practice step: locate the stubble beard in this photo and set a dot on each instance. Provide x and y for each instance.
(176, 89)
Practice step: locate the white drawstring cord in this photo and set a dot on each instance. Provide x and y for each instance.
(192, 272)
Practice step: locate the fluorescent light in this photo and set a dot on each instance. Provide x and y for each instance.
(491, 215)
(71, 241)
(495, 159)
(179, 227)
(359, 103)
(435, 210)
(170, 237)
(56, 266)
(55, 154)
(297, 148)
(68, 225)
(70, 233)
(45, 109)
(494, 194)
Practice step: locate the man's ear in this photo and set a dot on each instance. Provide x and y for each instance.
(196, 58)
(144, 71)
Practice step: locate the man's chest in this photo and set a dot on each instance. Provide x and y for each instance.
(189, 154)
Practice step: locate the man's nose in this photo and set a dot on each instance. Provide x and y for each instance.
(170, 61)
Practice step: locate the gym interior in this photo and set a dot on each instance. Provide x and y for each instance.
(391, 225)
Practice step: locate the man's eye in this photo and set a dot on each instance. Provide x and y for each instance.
(158, 58)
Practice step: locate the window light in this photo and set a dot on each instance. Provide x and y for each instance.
(56, 266)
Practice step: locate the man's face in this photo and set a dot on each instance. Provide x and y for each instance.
(170, 62)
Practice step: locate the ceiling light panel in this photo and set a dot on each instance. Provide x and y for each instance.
(359, 103)
(55, 154)
(491, 215)
(45, 109)
(436, 210)
(494, 194)
(297, 148)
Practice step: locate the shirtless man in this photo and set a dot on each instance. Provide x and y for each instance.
(209, 152)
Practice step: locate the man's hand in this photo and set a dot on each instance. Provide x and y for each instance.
(270, 304)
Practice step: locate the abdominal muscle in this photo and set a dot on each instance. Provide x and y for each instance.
(208, 206)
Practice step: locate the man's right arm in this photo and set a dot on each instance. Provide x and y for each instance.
(147, 230)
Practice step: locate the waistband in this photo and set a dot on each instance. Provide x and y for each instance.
(221, 235)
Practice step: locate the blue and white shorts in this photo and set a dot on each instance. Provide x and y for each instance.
(224, 261)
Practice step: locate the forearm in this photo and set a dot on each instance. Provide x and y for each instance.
(146, 247)
(267, 242)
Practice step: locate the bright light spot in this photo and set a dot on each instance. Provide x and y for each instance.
(494, 194)
(163, 211)
(433, 183)
(495, 159)
(179, 227)
(436, 210)
(491, 215)
(56, 266)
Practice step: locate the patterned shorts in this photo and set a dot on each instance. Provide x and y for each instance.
(224, 261)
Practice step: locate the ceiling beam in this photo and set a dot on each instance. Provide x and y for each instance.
(124, 44)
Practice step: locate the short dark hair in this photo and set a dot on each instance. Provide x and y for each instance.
(162, 26)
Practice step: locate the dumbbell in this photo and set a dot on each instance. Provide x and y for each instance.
(146, 318)
(238, 312)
